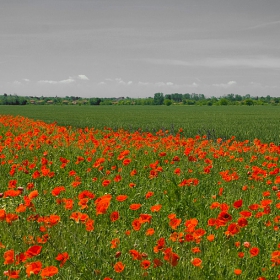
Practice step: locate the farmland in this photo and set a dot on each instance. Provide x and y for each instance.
(128, 192)
(243, 122)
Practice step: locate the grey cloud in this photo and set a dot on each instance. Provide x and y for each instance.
(265, 24)
(253, 62)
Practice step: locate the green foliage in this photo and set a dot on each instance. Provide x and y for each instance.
(249, 102)
(167, 102)
(223, 101)
(95, 101)
(158, 99)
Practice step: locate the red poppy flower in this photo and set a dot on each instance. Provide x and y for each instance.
(211, 237)
(102, 204)
(62, 258)
(10, 217)
(105, 183)
(149, 194)
(254, 251)
(136, 224)
(57, 190)
(174, 223)
(115, 242)
(238, 203)
(33, 251)
(232, 229)
(134, 206)
(49, 271)
(9, 257)
(121, 198)
(114, 216)
(155, 208)
(157, 263)
(118, 178)
(119, 267)
(145, 264)
(33, 268)
(242, 222)
(135, 254)
(196, 262)
(150, 231)
(2, 214)
(126, 161)
(13, 274)
(237, 271)
(86, 194)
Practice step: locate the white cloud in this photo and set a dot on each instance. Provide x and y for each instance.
(116, 81)
(26, 80)
(47, 82)
(120, 81)
(227, 85)
(67, 81)
(159, 84)
(17, 83)
(83, 77)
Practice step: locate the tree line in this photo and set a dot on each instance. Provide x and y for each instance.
(158, 99)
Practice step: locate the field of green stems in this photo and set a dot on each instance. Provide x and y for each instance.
(243, 122)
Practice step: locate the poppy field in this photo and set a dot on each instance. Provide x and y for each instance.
(88, 203)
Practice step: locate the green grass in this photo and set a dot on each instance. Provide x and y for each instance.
(243, 122)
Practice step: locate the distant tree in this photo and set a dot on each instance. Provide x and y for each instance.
(267, 99)
(230, 97)
(223, 101)
(177, 97)
(158, 98)
(249, 102)
(95, 101)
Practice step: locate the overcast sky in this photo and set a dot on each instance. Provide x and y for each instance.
(113, 48)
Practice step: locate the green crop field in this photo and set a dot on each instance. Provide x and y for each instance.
(244, 122)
